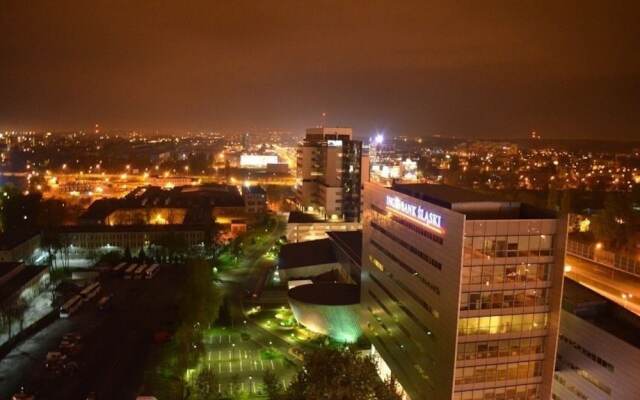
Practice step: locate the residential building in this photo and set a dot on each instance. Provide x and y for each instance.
(255, 199)
(461, 292)
(330, 170)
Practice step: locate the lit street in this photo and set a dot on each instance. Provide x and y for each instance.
(614, 285)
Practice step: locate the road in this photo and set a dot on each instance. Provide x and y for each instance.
(15, 367)
(254, 270)
(614, 285)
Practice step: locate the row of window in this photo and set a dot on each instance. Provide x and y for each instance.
(500, 348)
(569, 387)
(408, 291)
(511, 273)
(407, 246)
(482, 247)
(404, 266)
(409, 225)
(498, 372)
(520, 392)
(499, 324)
(586, 375)
(595, 358)
(503, 299)
(401, 364)
(385, 327)
(422, 356)
(410, 314)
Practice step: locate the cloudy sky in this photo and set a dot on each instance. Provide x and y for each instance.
(566, 69)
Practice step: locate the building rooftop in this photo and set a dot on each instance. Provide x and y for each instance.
(601, 312)
(473, 204)
(8, 267)
(9, 240)
(328, 294)
(20, 280)
(442, 195)
(350, 242)
(299, 217)
(314, 252)
(254, 190)
(196, 200)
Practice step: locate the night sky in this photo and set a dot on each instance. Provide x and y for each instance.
(567, 69)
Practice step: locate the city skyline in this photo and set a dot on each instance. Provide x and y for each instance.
(339, 200)
(496, 70)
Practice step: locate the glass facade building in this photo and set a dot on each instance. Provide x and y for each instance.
(461, 292)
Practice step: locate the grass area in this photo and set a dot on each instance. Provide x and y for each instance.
(175, 366)
(281, 322)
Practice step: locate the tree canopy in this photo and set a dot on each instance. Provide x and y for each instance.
(333, 374)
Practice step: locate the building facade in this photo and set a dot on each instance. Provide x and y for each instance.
(19, 246)
(255, 199)
(134, 237)
(598, 350)
(302, 227)
(461, 293)
(330, 174)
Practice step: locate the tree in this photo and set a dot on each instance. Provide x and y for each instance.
(332, 374)
(141, 256)
(127, 254)
(206, 385)
(566, 201)
(19, 308)
(271, 385)
(224, 313)
(18, 211)
(552, 199)
(172, 244)
(112, 257)
(614, 223)
(52, 243)
(52, 213)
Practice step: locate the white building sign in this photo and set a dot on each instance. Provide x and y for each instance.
(415, 212)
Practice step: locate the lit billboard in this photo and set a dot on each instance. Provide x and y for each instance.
(257, 160)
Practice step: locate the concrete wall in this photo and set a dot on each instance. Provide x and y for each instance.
(338, 322)
(307, 271)
(580, 345)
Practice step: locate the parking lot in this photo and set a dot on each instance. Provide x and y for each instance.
(240, 362)
(113, 346)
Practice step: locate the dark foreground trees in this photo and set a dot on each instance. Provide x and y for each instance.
(332, 374)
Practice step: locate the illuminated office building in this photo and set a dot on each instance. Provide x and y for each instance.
(461, 292)
(330, 171)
